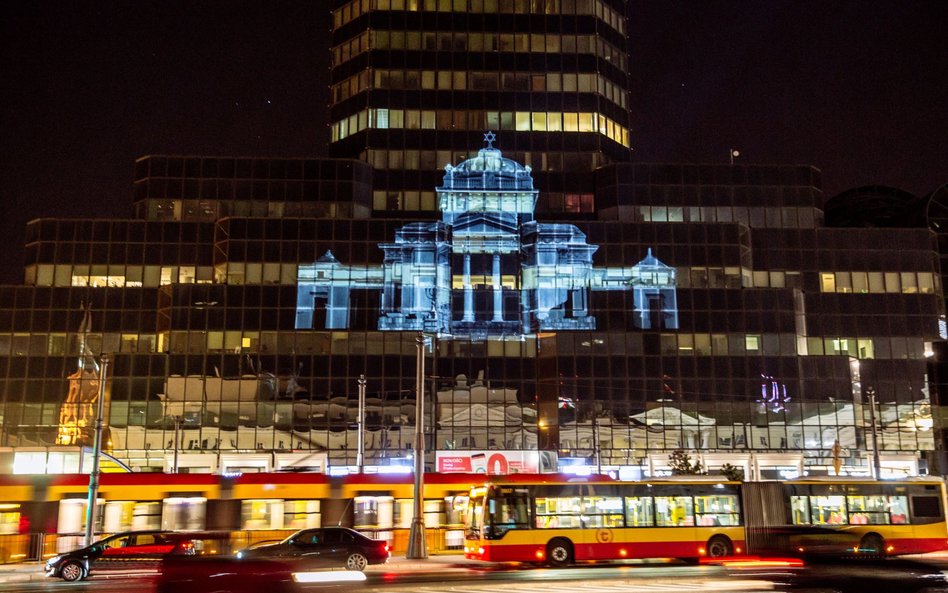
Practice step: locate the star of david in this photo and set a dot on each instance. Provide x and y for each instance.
(489, 138)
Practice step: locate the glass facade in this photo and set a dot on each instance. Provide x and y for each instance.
(578, 307)
(616, 339)
(415, 83)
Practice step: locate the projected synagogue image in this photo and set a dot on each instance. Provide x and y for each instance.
(487, 268)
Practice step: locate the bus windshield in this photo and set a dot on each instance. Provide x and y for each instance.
(474, 522)
(507, 508)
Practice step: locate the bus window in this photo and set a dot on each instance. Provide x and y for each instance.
(508, 511)
(475, 517)
(800, 508)
(603, 511)
(638, 511)
(925, 509)
(562, 512)
(674, 511)
(870, 509)
(828, 510)
(898, 509)
(722, 509)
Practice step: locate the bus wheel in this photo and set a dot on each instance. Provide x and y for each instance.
(719, 546)
(872, 544)
(559, 552)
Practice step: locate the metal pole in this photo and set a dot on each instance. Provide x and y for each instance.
(177, 441)
(433, 408)
(96, 452)
(360, 451)
(596, 444)
(417, 544)
(876, 464)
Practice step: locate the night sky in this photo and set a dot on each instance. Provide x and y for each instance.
(856, 88)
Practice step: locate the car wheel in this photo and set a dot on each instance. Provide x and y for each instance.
(72, 571)
(872, 544)
(356, 562)
(559, 552)
(719, 546)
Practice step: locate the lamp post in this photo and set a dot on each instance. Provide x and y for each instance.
(177, 442)
(876, 463)
(360, 427)
(596, 444)
(96, 453)
(417, 544)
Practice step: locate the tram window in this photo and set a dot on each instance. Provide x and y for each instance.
(183, 513)
(146, 515)
(9, 518)
(261, 514)
(456, 509)
(301, 514)
(118, 515)
(717, 510)
(639, 511)
(674, 511)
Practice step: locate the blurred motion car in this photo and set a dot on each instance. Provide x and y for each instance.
(202, 574)
(129, 550)
(806, 541)
(864, 574)
(325, 547)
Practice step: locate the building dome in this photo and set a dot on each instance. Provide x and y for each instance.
(489, 170)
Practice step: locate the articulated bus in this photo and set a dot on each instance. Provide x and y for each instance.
(557, 522)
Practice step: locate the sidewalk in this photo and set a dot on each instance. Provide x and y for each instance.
(31, 571)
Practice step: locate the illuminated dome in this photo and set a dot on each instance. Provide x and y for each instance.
(489, 170)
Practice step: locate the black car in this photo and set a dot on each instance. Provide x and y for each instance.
(122, 551)
(200, 574)
(325, 547)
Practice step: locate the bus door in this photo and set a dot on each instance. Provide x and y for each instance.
(675, 523)
(602, 521)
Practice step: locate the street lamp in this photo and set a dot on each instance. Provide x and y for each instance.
(177, 442)
(360, 427)
(417, 544)
(96, 453)
(876, 463)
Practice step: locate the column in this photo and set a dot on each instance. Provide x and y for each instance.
(498, 291)
(468, 290)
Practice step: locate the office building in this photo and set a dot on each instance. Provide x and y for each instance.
(415, 83)
(705, 308)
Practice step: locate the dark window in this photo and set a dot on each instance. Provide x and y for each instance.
(925, 506)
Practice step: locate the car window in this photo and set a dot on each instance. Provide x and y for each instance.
(147, 539)
(332, 536)
(308, 538)
(119, 542)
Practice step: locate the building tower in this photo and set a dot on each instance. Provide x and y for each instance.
(416, 82)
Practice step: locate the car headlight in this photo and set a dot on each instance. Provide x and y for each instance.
(240, 554)
(54, 560)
